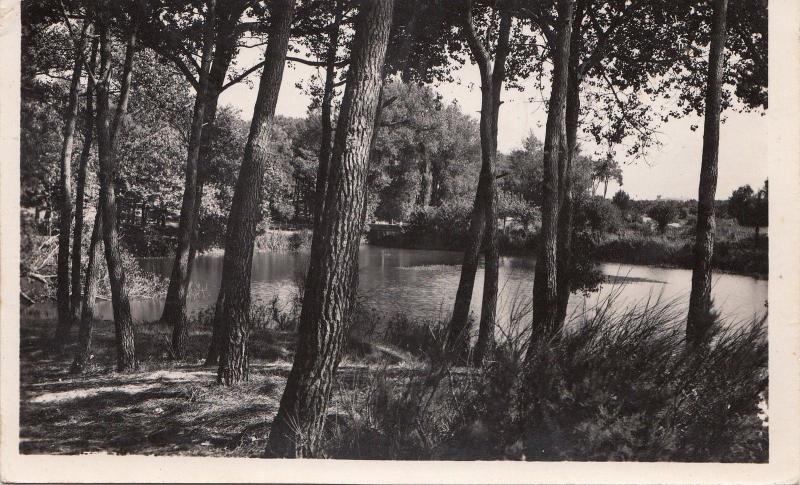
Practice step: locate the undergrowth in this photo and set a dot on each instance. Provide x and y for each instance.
(613, 385)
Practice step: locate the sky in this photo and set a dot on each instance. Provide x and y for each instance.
(671, 170)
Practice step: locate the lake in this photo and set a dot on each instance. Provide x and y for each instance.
(423, 283)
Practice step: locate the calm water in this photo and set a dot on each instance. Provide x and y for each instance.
(423, 283)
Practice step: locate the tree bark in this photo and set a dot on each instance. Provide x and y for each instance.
(92, 278)
(484, 218)
(63, 300)
(545, 291)
(326, 114)
(244, 215)
(323, 168)
(297, 428)
(567, 197)
(223, 55)
(80, 195)
(175, 304)
(224, 50)
(484, 346)
(699, 319)
(107, 132)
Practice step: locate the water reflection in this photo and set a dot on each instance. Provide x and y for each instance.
(423, 283)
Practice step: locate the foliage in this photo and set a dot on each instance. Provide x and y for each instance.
(663, 213)
(622, 200)
(604, 171)
(750, 209)
(600, 214)
(425, 152)
(510, 204)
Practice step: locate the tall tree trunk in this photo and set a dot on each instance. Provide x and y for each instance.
(323, 169)
(65, 210)
(566, 212)
(326, 114)
(297, 428)
(484, 346)
(545, 290)
(80, 195)
(107, 132)
(175, 304)
(92, 278)
(699, 318)
(484, 219)
(224, 50)
(246, 204)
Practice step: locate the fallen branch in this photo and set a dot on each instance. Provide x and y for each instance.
(28, 300)
(40, 277)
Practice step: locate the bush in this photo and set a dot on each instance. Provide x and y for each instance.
(622, 200)
(276, 240)
(601, 215)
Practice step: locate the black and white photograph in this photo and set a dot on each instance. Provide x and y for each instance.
(444, 231)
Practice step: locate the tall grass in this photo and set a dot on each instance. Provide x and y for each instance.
(613, 385)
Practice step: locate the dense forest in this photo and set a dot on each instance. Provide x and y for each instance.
(127, 153)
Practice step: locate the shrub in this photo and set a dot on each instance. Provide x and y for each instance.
(601, 215)
(622, 200)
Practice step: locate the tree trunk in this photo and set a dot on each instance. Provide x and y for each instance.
(92, 278)
(699, 318)
(107, 132)
(484, 346)
(545, 290)
(424, 196)
(224, 50)
(83, 167)
(297, 428)
(243, 218)
(326, 115)
(566, 212)
(175, 304)
(63, 300)
(484, 219)
(323, 168)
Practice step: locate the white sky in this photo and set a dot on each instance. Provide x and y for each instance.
(671, 171)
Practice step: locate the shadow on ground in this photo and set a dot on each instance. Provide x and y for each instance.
(165, 408)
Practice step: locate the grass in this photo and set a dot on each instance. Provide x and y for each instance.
(617, 384)
(169, 407)
(613, 386)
